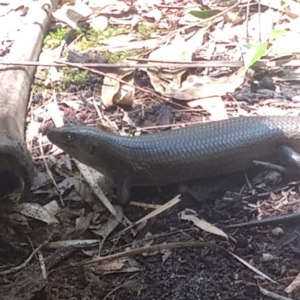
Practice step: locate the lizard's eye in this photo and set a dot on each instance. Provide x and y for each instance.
(69, 137)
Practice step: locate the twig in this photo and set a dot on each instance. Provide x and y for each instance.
(150, 249)
(25, 263)
(145, 90)
(272, 295)
(48, 170)
(162, 64)
(204, 63)
(42, 264)
(267, 221)
(120, 80)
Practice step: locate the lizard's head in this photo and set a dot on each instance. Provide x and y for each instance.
(77, 141)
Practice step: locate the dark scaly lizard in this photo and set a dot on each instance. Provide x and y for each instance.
(194, 152)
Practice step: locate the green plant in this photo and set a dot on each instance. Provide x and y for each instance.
(54, 38)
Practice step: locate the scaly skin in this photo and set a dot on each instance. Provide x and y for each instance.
(194, 152)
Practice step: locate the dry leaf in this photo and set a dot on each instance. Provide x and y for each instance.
(71, 14)
(193, 88)
(155, 14)
(82, 224)
(55, 113)
(37, 212)
(159, 210)
(40, 180)
(114, 92)
(286, 45)
(255, 270)
(60, 244)
(52, 208)
(32, 131)
(214, 105)
(119, 265)
(93, 178)
(190, 215)
(75, 104)
(165, 80)
(67, 183)
(99, 23)
(104, 230)
(293, 285)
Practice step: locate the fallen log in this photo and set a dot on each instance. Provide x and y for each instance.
(16, 166)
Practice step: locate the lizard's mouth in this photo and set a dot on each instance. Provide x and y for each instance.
(54, 138)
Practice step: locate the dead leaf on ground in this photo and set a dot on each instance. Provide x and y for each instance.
(190, 215)
(164, 80)
(115, 92)
(109, 7)
(32, 131)
(52, 208)
(194, 88)
(55, 113)
(82, 224)
(75, 104)
(159, 210)
(120, 265)
(40, 180)
(104, 230)
(37, 212)
(293, 285)
(93, 178)
(99, 22)
(285, 44)
(16, 219)
(67, 243)
(155, 14)
(67, 184)
(71, 14)
(215, 106)
(63, 162)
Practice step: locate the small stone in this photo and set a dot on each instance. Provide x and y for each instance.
(267, 257)
(277, 231)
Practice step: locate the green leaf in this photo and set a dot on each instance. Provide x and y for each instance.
(253, 54)
(277, 33)
(204, 14)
